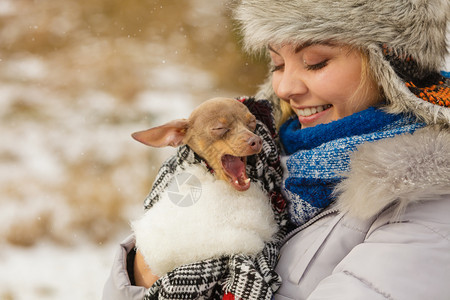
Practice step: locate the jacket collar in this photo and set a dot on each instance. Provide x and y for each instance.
(396, 171)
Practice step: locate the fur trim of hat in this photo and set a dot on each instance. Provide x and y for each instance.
(413, 29)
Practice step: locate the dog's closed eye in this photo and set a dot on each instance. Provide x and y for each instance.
(252, 124)
(219, 131)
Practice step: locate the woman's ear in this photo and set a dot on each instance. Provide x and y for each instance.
(169, 134)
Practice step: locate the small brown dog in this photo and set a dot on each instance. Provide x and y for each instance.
(220, 130)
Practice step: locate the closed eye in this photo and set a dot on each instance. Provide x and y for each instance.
(252, 125)
(317, 66)
(277, 68)
(219, 131)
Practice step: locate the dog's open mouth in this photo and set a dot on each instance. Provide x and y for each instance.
(234, 167)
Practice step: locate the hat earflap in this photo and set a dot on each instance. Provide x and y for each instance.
(423, 94)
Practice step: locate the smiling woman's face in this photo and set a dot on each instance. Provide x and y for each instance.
(321, 82)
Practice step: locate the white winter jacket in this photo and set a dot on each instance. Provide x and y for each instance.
(388, 235)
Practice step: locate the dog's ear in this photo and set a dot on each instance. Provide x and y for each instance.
(169, 134)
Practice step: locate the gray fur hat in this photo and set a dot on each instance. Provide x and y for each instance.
(405, 41)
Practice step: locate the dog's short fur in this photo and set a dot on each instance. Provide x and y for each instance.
(231, 215)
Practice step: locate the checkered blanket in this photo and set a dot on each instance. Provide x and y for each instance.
(243, 276)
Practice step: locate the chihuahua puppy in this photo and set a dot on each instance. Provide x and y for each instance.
(232, 215)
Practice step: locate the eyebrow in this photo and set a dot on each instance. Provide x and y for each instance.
(303, 46)
(272, 50)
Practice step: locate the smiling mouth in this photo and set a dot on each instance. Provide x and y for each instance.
(306, 112)
(234, 168)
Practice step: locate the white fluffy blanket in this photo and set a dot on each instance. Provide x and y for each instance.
(222, 221)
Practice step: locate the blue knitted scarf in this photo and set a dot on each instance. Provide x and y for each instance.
(319, 155)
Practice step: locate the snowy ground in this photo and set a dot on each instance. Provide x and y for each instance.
(77, 77)
(49, 272)
(70, 180)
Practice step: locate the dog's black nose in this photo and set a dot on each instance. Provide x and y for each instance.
(255, 143)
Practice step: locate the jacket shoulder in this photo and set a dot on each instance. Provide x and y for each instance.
(397, 172)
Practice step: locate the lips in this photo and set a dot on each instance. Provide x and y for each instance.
(234, 168)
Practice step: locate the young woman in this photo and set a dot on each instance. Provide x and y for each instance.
(365, 132)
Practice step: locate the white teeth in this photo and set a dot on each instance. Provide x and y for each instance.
(247, 180)
(306, 112)
(237, 182)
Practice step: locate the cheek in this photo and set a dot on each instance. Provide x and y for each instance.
(339, 84)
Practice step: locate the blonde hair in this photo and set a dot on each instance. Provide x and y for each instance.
(368, 85)
(286, 112)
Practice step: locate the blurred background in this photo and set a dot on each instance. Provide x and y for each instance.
(77, 77)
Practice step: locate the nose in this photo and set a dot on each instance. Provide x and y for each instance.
(255, 143)
(289, 83)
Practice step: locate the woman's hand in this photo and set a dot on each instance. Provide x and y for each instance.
(142, 273)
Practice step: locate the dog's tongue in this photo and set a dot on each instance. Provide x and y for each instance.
(235, 168)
